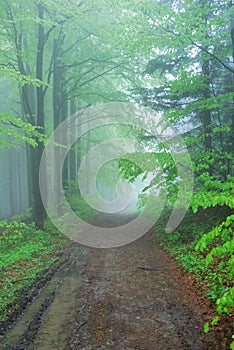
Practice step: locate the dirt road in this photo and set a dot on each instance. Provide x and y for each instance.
(132, 297)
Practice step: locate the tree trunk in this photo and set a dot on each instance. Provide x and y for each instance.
(57, 120)
(63, 116)
(72, 157)
(206, 116)
(38, 208)
(232, 123)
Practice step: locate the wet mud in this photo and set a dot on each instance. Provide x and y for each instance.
(45, 321)
(136, 300)
(131, 297)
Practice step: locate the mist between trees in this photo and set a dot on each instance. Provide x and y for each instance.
(58, 58)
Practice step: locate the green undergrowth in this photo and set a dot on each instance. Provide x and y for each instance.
(204, 245)
(25, 253)
(80, 207)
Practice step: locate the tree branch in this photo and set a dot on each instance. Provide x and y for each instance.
(200, 47)
(212, 55)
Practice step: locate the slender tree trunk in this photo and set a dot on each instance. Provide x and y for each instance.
(38, 208)
(27, 95)
(11, 179)
(206, 115)
(64, 115)
(56, 85)
(19, 180)
(60, 110)
(57, 121)
(72, 157)
(206, 94)
(232, 123)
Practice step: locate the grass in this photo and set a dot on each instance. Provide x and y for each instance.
(25, 253)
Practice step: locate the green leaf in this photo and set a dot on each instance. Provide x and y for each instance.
(206, 327)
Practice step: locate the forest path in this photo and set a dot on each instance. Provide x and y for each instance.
(134, 297)
(131, 297)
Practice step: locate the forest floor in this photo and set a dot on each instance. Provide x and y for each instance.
(132, 297)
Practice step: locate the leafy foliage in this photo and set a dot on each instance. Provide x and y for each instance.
(203, 244)
(14, 130)
(25, 253)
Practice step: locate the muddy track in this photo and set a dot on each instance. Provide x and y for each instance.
(25, 296)
(51, 308)
(132, 297)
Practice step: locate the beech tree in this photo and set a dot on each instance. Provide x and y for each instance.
(62, 66)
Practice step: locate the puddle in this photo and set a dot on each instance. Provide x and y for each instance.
(55, 329)
(14, 335)
(46, 322)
